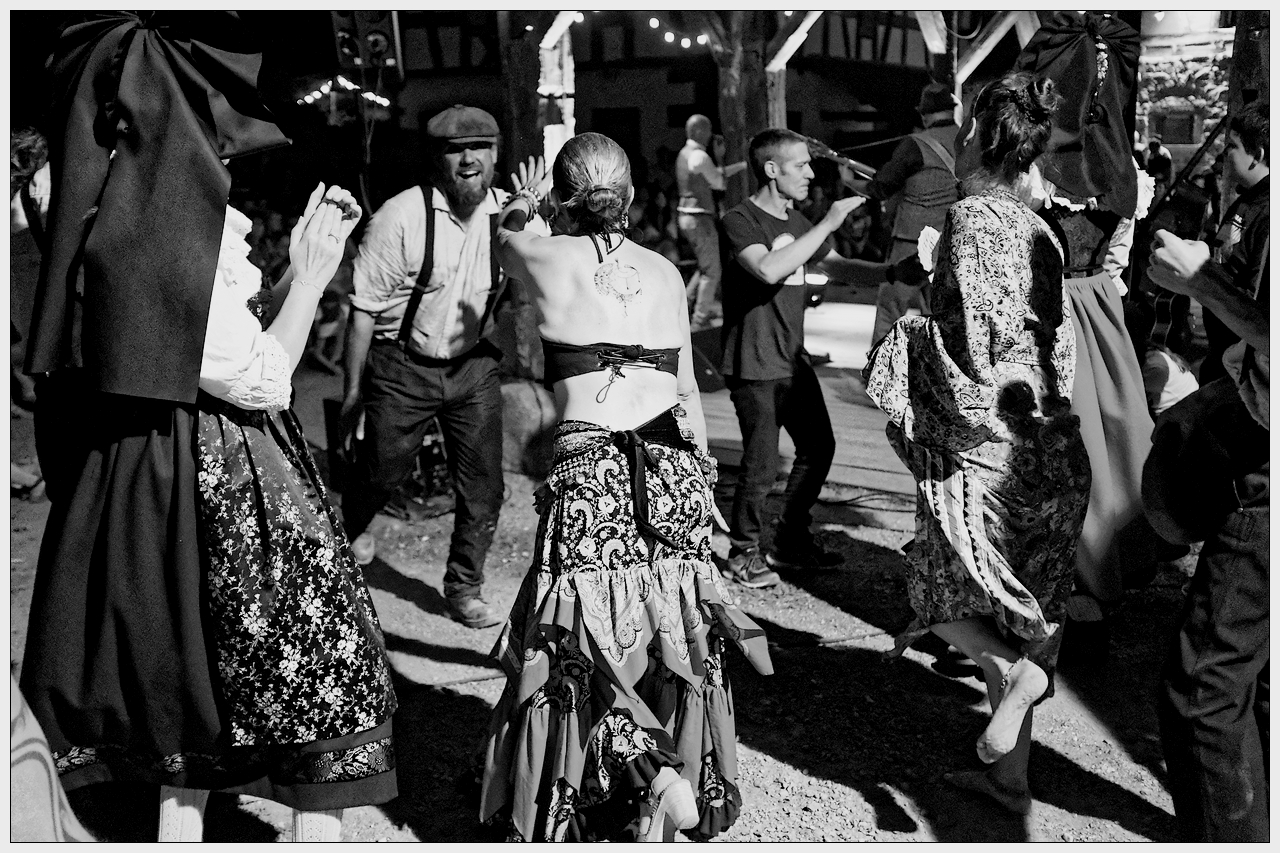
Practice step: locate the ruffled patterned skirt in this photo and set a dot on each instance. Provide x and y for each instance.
(614, 649)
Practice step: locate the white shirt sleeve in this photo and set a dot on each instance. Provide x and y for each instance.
(382, 266)
(700, 163)
(241, 363)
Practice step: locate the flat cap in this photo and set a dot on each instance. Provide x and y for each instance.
(463, 124)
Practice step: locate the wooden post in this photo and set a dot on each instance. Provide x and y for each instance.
(1250, 60)
(724, 35)
(778, 52)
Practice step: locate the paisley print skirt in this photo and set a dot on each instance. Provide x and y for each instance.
(614, 649)
(996, 531)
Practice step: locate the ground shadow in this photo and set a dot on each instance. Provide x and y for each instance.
(125, 812)
(886, 725)
(440, 735)
(439, 653)
(380, 574)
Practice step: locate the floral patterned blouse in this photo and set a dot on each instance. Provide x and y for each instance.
(1000, 315)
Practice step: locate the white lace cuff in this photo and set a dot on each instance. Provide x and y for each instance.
(267, 382)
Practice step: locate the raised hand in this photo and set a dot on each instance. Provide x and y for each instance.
(533, 175)
(319, 239)
(840, 208)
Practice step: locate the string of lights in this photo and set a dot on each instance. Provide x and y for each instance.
(344, 84)
(671, 34)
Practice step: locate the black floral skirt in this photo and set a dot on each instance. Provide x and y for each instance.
(198, 620)
(614, 650)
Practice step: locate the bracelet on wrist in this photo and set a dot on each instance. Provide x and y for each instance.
(530, 195)
(318, 288)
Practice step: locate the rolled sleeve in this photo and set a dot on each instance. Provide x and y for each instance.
(381, 266)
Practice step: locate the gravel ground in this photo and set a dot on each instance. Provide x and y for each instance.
(838, 745)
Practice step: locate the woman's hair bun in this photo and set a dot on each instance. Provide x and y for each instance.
(1042, 99)
(602, 200)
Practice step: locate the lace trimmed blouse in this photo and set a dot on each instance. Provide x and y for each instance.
(242, 364)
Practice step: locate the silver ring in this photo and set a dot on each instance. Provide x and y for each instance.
(334, 238)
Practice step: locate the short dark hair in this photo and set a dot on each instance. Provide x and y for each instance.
(1253, 125)
(765, 146)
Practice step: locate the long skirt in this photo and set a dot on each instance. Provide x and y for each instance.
(614, 649)
(996, 528)
(1111, 402)
(197, 619)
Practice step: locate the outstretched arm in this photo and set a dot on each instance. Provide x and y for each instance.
(772, 266)
(1183, 266)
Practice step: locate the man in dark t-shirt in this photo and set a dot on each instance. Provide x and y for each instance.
(770, 379)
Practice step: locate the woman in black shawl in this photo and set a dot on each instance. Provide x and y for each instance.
(198, 621)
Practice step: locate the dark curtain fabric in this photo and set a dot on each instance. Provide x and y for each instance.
(147, 106)
(1093, 61)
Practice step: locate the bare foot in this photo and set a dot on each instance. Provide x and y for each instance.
(1023, 684)
(980, 782)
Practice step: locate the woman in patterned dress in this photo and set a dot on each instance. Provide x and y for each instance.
(617, 719)
(198, 621)
(978, 398)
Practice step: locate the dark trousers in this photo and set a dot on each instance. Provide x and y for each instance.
(402, 393)
(795, 404)
(1214, 704)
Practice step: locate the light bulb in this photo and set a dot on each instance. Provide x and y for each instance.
(653, 23)
(669, 37)
(702, 39)
(579, 17)
(684, 42)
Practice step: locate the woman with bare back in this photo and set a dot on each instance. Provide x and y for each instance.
(616, 722)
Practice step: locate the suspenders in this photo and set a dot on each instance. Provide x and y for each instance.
(424, 270)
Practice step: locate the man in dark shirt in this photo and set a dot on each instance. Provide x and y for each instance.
(770, 379)
(1242, 237)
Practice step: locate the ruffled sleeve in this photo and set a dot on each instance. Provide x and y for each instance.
(241, 363)
(934, 376)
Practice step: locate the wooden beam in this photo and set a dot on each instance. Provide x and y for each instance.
(777, 60)
(984, 44)
(934, 29)
(558, 28)
(1026, 25)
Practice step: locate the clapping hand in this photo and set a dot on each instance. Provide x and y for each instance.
(1175, 262)
(318, 241)
(840, 208)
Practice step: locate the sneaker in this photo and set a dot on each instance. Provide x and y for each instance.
(747, 569)
(364, 547)
(474, 612)
(809, 556)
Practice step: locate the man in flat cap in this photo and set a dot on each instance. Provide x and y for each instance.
(427, 282)
(923, 169)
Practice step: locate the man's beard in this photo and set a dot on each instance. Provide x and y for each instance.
(464, 198)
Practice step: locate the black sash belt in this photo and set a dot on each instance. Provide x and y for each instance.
(634, 444)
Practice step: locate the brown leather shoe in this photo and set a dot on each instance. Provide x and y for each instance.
(474, 612)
